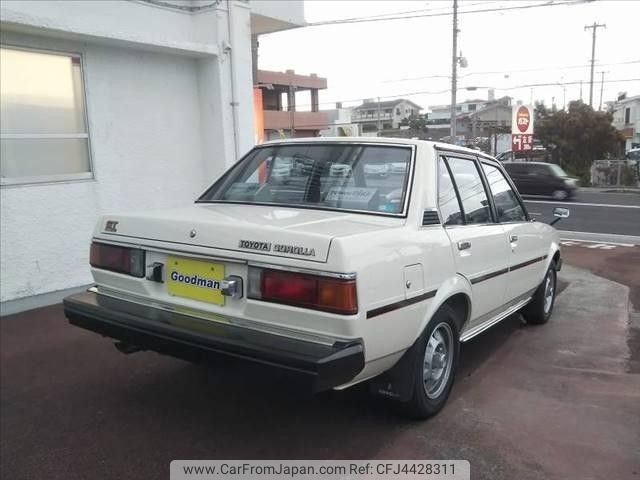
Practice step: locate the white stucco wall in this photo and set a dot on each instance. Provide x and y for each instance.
(144, 124)
(169, 106)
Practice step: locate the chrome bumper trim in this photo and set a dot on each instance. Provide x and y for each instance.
(326, 340)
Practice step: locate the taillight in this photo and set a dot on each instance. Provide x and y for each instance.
(328, 294)
(117, 259)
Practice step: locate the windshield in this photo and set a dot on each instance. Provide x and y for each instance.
(326, 176)
(557, 170)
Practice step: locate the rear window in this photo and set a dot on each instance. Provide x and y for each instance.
(347, 176)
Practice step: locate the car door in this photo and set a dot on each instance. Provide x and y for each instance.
(527, 251)
(479, 244)
(539, 180)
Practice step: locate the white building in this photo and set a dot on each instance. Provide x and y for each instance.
(114, 105)
(442, 113)
(372, 115)
(626, 118)
(340, 124)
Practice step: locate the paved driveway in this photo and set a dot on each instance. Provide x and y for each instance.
(557, 401)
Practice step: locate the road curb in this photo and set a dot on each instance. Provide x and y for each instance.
(628, 240)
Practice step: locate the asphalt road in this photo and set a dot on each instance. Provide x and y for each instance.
(556, 401)
(593, 211)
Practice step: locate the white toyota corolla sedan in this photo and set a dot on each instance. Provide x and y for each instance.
(340, 278)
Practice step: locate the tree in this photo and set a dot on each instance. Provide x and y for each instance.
(415, 122)
(576, 137)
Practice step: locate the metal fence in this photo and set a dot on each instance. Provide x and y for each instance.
(615, 173)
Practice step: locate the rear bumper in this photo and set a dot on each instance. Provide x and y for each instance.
(197, 339)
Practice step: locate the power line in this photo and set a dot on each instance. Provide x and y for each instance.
(576, 82)
(440, 92)
(550, 3)
(496, 72)
(406, 12)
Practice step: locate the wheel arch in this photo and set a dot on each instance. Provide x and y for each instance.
(455, 293)
(553, 255)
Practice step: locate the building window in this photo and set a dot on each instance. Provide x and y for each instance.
(627, 115)
(472, 107)
(43, 135)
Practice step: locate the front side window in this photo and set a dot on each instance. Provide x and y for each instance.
(471, 189)
(345, 176)
(504, 198)
(43, 133)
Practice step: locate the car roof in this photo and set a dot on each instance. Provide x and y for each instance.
(381, 140)
(527, 163)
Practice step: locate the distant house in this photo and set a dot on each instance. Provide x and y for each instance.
(288, 122)
(373, 116)
(494, 116)
(626, 118)
(339, 123)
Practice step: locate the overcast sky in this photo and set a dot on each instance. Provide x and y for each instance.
(367, 60)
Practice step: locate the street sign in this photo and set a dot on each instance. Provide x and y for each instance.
(521, 142)
(522, 128)
(522, 120)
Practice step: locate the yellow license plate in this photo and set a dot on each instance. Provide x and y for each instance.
(195, 279)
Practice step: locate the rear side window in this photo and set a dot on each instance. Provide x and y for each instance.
(447, 198)
(471, 189)
(504, 198)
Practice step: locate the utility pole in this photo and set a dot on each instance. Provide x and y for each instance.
(601, 88)
(454, 73)
(594, 27)
(379, 123)
(291, 103)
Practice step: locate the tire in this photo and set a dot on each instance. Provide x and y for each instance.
(540, 308)
(429, 398)
(560, 194)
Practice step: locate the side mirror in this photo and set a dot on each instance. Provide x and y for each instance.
(560, 213)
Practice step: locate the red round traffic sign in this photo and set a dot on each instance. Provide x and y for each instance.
(523, 118)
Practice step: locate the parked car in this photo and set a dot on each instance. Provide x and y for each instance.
(633, 154)
(281, 168)
(340, 170)
(303, 164)
(343, 282)
(376, 169)
(538, 178)
(398, 167)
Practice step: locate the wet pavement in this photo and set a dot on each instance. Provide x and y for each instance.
(556, 401)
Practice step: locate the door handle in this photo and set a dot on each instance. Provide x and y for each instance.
(464, 245)
(513, 238)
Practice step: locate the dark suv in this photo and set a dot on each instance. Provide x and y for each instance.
(537, 178)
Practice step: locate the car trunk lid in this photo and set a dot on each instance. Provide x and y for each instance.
(304, 234)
